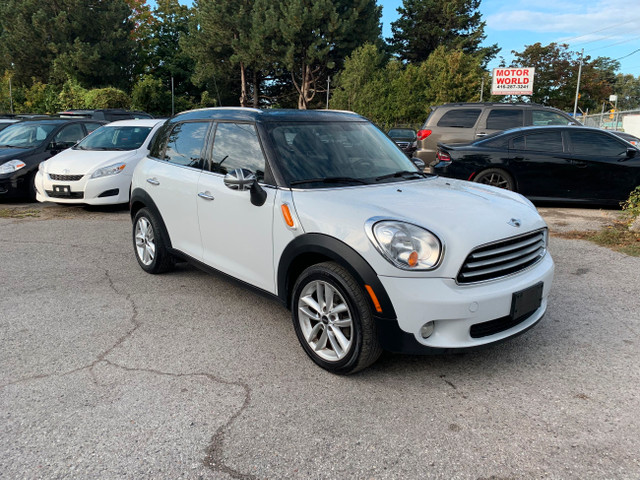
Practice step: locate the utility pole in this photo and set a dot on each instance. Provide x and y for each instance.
(328, 82)
(10, 96)
(575, 105)
(482, 88)
(173, 103)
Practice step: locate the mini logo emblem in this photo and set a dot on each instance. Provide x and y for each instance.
(515, 222)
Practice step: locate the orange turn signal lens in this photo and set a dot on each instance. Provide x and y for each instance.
(413, 259)
(374, 299)
(288, 219)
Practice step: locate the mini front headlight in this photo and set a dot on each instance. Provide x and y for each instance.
(110, 170)
(407, 246)
(12, 166)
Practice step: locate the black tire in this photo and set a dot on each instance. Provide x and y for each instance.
(496, 177)
(364, 347)
(147, 233)
(31, 186)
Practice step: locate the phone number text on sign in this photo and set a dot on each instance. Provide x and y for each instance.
(512, 81)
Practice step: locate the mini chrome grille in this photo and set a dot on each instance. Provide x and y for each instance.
(66, 178)
(503, 258)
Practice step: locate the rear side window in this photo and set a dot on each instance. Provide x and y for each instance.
(185, 144)
(542, 117)
(539, 142)
(594, 143)
(236, 145)
(503, 119)
(460, 118)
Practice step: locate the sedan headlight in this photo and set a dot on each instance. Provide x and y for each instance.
(407, 246)
(110, 170)
(12, 166)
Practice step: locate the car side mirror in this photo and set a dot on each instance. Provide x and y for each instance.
(419, 163)
(242, 179)
(631, 152)
(54, 147)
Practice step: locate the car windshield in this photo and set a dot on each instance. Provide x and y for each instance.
(316, 155)
(25, 135)
(115, 138)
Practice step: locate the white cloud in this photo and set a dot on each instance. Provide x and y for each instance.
(570, 19)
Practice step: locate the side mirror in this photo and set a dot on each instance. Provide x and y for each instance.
(631, 152)
(54, 148)
(242, 179)
(419, 163)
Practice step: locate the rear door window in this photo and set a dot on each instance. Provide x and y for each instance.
(539, 142)
(503, 119)
(185, 144)
(460, 118)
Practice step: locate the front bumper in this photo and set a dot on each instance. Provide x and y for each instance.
(454, 309)
(109, 190)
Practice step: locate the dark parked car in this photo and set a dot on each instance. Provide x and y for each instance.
(107, 114)
(25, 144)
(5, 122)
(466, 122)
(405, 138)
(552, 163)
(627, 137)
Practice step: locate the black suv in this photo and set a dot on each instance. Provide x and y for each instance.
(108, 114)
(25, 144)
(466, 122)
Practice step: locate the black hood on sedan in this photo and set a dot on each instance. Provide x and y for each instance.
(8, 153)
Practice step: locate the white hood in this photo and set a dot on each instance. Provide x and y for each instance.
(462, 214)
(82, 162)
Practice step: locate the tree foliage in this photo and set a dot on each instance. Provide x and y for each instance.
(424, 25)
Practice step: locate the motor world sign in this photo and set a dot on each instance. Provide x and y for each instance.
(512, 81)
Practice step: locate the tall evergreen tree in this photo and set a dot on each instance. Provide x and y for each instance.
(426, 24)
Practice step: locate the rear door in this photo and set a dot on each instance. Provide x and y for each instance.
(498, 119)
(237, 236)
(172, 182)
(603, 170)
(541, 164)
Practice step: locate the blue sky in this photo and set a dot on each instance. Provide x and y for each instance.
(604, 28)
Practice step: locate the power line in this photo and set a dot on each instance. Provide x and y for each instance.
(602, 29)
(617, 43)
(635, 51)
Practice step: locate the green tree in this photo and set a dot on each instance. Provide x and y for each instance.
(72, 96)
(426, 24)
(41, 98)
(556, 76)
(108, 97)
(53, 40)
(627, 87)
(314, 36)
(151, 95)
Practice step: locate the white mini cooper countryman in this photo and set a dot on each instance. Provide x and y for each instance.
(321, 210)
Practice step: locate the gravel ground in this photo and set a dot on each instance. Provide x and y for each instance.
(107, 372)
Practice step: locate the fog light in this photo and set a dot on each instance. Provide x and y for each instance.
(427, 329)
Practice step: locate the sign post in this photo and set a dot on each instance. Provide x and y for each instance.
(512, 81)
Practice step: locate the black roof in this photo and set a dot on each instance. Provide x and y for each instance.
(55, 121)
(271, 115)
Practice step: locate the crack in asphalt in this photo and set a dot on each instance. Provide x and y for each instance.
(214, 452)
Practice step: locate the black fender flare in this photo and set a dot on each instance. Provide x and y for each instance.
(338, 251)
(141, 199)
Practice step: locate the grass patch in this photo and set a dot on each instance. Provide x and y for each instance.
(617, 237)
(19, 212)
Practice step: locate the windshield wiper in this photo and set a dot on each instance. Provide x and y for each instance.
(330, 180)
(401, 174)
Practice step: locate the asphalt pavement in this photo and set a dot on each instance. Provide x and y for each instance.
(107, 372)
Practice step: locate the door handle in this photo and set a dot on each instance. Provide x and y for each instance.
(153, 181)
(579, 163)
(206, 195)
(482, 134)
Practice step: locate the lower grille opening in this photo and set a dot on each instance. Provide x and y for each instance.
(498, 325)
(109, 193)
(74, 195)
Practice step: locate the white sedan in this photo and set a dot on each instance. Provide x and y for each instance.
(98, 169)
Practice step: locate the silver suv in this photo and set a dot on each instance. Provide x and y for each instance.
(466, 122)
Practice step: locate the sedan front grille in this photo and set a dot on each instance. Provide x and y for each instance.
(503, 258)
(66, 178)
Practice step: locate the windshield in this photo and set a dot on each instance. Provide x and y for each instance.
(25, 135)
(115, 138)
(315, 155)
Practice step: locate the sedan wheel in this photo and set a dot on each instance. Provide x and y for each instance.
(496, 178)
